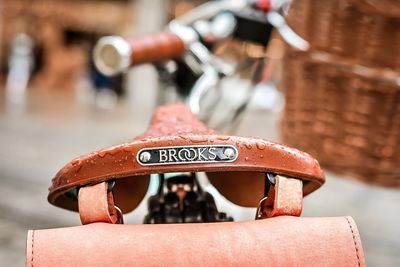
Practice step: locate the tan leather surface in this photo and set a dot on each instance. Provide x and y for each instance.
(284, 198)
(96, 205)
(279, 241)
(156, 47)
(175, 125)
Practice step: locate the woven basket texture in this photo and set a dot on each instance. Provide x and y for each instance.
(343, 95)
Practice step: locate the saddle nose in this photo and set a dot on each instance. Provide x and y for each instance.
(177, 141)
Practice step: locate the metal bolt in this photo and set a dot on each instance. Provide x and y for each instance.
(145, 157)
(229, 153)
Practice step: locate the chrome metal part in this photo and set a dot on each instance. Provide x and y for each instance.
(112, 55)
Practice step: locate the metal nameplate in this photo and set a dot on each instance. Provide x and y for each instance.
(187, 154)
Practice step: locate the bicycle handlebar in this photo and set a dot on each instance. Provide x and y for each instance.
(114, 54)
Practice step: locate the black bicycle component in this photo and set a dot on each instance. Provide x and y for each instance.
(252, 26)
(180, 199)
(269, 180)
(185, 78)
(73, 193)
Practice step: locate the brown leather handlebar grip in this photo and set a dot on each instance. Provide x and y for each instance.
(114, 54)
(157, 47)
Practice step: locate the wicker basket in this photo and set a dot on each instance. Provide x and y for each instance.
(351, 28)
(343, 99)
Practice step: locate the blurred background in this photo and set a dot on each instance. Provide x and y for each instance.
(339, 101)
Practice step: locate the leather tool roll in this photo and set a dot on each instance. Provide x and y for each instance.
(279, 241)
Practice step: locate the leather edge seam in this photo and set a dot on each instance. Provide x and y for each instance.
(355, 242)
(32, 240)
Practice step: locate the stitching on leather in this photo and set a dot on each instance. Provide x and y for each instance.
(355, 242)
(33, 235)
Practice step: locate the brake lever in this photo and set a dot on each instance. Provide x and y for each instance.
(290, 36)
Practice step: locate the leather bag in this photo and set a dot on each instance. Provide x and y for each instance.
(237, 166)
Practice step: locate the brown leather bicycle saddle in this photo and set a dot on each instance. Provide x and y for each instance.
(177, 141)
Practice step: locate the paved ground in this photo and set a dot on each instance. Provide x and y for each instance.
(56, 128)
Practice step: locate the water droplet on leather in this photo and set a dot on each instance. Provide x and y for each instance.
(79, 168)
(223, 138)
(198, 139)
(110, 150)
(247, 145)
(261, 156)
(185, 137)
(261, 145)
(126, 148)
(246, 158)
(75, 162)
